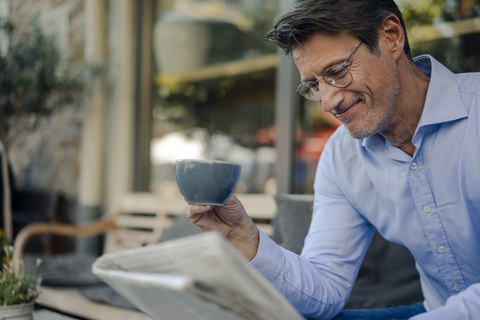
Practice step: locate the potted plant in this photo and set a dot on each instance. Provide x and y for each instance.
(18, 288)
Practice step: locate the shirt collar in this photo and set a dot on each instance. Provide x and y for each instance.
(442, 103)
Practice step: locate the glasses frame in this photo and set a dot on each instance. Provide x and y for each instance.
(312, 84)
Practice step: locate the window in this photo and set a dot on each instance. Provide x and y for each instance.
(215, 85)
(214, 89)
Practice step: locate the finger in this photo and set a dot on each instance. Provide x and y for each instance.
(197, 214)
(231, 200)
(194, 209)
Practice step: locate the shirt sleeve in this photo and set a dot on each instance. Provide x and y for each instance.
(463, 306)
(319, 281)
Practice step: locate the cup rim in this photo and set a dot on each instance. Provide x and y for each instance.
(207, 161)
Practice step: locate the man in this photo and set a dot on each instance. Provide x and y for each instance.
(405, 162)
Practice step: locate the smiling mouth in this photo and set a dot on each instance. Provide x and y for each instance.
(345, 113)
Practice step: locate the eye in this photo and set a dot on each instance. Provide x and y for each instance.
(313, 85)
(335, 72)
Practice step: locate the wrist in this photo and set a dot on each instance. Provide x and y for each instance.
(245, 238)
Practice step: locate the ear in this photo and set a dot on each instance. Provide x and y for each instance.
(391, 37)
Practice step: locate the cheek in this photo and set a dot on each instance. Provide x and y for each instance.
(384, 84)
(390, 88)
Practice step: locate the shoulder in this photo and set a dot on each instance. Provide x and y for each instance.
(469, 83)
(469, 89)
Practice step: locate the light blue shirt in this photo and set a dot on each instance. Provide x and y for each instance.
(429, 203)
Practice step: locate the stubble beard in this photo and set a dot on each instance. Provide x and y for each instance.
(377, 115)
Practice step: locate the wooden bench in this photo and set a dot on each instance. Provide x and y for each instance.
(138, 219)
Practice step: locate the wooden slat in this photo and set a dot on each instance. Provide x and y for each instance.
(126, 239)
(46, 314)
(173, 204)
(141, 221)
(259, 206)
(266, 228)
(141, 202)
(147, 202)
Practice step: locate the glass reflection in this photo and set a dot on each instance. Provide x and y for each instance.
(215, 88)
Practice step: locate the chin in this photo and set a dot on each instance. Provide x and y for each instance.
(360, 133)
(362, 127)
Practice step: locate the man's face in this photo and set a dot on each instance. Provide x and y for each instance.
(365, 106)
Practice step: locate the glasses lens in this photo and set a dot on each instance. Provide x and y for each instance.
(309, 90)
(338, 76)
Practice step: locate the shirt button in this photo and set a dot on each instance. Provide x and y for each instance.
(427, 208)
(413, 166)
(441, 249)
(456, 287)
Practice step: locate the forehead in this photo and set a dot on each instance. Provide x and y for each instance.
(320, 51)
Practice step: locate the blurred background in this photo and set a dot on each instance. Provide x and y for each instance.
(187, 79)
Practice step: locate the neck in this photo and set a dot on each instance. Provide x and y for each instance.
(408, 106)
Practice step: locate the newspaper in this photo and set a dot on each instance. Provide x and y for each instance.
(197, 277)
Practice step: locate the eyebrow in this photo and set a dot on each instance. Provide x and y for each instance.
(335, 62)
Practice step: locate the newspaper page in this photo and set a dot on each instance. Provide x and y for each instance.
(198, 277)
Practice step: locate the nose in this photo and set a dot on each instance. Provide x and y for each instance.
(331, 96)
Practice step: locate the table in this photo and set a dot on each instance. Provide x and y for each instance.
(44, 314)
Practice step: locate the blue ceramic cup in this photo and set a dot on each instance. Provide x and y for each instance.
(207, 182)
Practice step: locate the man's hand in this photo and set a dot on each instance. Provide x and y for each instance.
(231, 221)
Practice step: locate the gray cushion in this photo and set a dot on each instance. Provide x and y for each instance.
(180, 228)
(69, 270)
(75, 270)
(293, 218)
(387, 277)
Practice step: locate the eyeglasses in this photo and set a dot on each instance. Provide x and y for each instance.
(336, 75)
